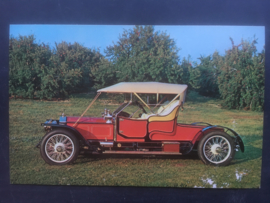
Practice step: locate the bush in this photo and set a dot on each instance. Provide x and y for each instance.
(241, 78)
(37, 71)
(28, 62)
(208, 71)
(143, 55)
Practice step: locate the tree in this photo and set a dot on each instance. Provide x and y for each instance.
(190, 75)
(144, 55)
(37, 71)
(74, 64)
(208, 72)
(27, 61)
(104, 74)
(241, 79)
(139, 55)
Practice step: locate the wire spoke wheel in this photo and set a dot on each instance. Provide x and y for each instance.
(217, 149)
(59, 147)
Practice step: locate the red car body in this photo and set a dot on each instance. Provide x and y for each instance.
(130, 130)
(156, 133)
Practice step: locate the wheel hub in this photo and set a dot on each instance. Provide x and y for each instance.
(216, 149)
(59, 147)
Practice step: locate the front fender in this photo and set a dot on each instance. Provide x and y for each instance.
(54, 125)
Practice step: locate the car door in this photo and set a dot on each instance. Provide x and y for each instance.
(132, 128)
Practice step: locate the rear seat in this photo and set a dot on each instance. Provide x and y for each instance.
(163, 110)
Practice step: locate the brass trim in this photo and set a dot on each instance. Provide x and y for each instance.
(115, 121)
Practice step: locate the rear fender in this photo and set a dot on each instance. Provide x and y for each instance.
(237, 138)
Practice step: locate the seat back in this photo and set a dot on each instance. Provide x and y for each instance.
(167, 113)
(166, 109)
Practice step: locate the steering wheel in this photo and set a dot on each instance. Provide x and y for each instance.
(140, 106)
(124, 114)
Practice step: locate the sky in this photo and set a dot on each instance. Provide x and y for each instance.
(195, 41)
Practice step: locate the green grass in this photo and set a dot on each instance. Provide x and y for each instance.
(27, 166)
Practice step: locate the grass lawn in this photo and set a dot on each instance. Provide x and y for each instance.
(27, 166)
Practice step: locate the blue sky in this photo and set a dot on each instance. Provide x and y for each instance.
(192, 40)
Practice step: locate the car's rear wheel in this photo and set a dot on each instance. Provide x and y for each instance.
(59, 147)
(216, 148)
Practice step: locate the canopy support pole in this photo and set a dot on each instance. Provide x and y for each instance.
(87, 108)
(175, 99)
(160, 101)
(142, 101)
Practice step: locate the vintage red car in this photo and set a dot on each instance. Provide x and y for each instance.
(154, 131)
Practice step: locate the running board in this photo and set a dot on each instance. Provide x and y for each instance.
(141, 152)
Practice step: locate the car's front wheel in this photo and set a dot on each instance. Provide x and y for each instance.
(216, 148)
(59, 147)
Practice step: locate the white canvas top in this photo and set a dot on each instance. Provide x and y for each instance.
(145, 87)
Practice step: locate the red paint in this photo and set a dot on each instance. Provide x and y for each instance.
(120, 138)
(180, 133)
(161, 126)
(183, 132)
(171, 147)
(188, 132)
(163, 136)
(92, 128)
(132, 128)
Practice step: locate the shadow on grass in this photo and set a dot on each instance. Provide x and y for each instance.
(253, 151)
(97, 157)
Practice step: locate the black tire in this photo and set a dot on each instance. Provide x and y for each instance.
(216, 148)
(59, 147)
